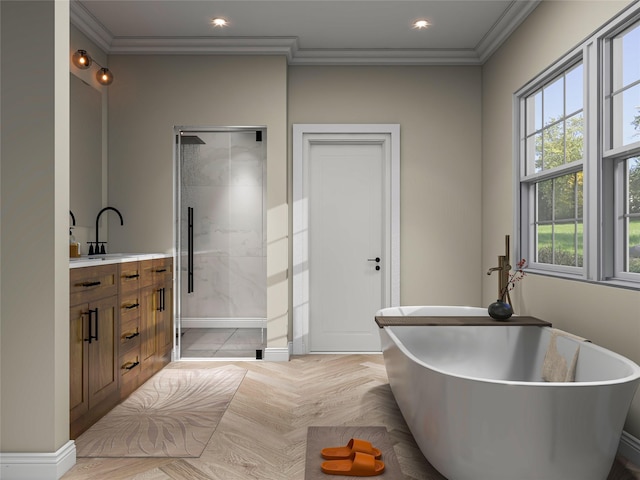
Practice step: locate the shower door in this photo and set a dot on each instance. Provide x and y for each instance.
(221, 310)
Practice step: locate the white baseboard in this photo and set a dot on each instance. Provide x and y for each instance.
(38, 466)
(278, 354)
(629, 448)
(221, 322)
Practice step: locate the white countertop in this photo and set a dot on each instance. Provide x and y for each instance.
(93, 260)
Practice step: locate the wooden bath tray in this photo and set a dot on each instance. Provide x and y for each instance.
(459, 321)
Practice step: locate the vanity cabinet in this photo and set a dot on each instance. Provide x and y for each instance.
(121, 333)
(93, 348)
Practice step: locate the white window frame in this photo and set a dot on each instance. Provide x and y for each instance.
(526, 183)
(603, 167)
(614, 168)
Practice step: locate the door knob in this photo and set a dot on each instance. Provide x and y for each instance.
(377, 259)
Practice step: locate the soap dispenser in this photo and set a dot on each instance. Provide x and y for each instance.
(74, 246)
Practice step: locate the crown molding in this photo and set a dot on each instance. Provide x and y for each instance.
(82, 19)
(204, 46)
(385, 57)
(512, 17)
(515, 14)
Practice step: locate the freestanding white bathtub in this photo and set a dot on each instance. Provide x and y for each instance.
(475, 402)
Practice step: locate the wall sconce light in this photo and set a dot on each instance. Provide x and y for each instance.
(83, 60)
(104, 76)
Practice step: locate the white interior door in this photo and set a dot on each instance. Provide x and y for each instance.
(346, 244)
(346, 210)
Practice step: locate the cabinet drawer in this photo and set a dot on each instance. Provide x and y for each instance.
(156, 271)
(129, 335)
(146, 273)
(130, 362)
(129, 306)
(129, 372)
(91, 283)
(129, 273)
(162, 270)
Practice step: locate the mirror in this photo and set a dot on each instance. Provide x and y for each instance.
(85, 164)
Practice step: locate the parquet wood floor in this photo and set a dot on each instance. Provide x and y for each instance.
(262, 435)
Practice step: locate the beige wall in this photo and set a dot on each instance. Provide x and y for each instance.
(34, 194)
(435, 106)
(152, 94)
(608, 316)
(439, 112)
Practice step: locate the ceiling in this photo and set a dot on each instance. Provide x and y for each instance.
(308, 32)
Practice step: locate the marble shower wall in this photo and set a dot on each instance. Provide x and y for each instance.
(224, 181)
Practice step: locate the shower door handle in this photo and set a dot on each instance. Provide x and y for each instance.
(190, 251)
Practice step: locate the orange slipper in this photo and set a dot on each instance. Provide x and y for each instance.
(354, 445)
(359, 465)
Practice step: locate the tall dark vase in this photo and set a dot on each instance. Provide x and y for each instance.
(500, 310)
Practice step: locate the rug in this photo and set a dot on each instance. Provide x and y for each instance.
(321, 437)
(173, 414)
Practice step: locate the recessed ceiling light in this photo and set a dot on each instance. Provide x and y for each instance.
(219, 22)
(420, 24)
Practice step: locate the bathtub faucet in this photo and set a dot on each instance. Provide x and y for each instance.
(503, 269)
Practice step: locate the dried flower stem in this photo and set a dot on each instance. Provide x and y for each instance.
(514, 278)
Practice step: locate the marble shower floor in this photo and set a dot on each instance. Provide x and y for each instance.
(222, 342)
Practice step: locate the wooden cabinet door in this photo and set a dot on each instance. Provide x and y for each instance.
(163, 279)
(148, 344)
(165, 322)
(103, 352)
(78, 362)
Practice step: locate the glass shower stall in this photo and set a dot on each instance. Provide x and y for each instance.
(221, 242)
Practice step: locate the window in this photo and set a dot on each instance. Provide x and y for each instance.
(622, 146)
(579, 160)
(624, 92)
(631, 214)
(552, 180)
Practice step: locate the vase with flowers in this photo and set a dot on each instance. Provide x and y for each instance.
(501, 309)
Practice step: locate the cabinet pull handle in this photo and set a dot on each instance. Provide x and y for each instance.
(131, 306)
(95, 311)
(90, 313)
(129, 336)
(135, 275)
(161, 270)
(88, 284)
(91, 328)
(130, 365)
(160, 300)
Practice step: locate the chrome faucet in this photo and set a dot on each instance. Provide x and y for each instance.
(503, 269)
(102, 250)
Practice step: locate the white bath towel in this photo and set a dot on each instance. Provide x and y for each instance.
(555, 367)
